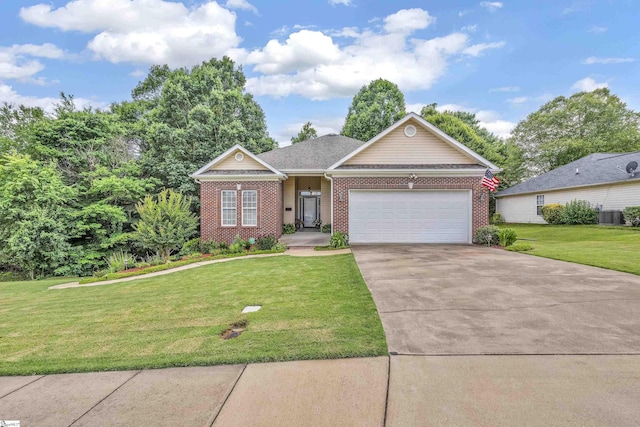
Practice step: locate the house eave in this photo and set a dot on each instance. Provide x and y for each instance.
(274, 177)
(405, 172)
(568, 188)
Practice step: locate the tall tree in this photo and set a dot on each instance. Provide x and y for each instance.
(566, 129)
(374, 108)
(192, 116)
(36, 224)
(16, 124)
(307, 132)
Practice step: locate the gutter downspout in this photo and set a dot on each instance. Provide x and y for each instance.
(330, 180)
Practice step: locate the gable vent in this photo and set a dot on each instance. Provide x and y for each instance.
(410, 131)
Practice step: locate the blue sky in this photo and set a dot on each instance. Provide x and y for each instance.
(305, 60)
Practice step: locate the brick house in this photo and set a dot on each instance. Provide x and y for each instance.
(411, 183)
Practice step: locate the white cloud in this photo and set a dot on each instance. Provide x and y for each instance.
(597, 60)
(17, 63)
(416, 108)
(500, 128)
(505, 89)
(311, 64)
(518, 100)
(9, 95)
(469, 28)
(137, 73)
(241, 4)
(598, 29)
(145, 31)
(342, 2)
(491, 6)
(323, 126)
(454, 108)
(477, 49)
(588, 84)
(408, 21)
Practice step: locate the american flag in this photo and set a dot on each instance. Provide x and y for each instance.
(490, 181)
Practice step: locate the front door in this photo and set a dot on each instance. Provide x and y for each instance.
(309, 211)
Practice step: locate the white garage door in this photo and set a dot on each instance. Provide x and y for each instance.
(409, 216)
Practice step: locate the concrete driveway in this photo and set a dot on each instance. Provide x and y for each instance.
(447, 299)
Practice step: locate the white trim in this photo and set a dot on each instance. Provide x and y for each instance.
(331, 196)
(222, 156)
(426, 190)
(407, 172)
(242, 207)
(244, 177)
(569, 188)
(459, 146)
(222, 208)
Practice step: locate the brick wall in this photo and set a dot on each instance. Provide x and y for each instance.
(343, 185)
(269, 210)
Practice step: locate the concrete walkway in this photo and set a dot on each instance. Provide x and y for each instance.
(302, 252)
(391, 391)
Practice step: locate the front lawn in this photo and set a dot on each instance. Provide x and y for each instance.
(317, 307)
(615, 248)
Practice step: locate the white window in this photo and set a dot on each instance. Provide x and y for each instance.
(539, 203)
(229, 215)
(249, 208)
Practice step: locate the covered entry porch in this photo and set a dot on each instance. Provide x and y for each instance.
(307, 201)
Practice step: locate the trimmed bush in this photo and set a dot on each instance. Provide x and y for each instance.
(632, 214)
(192, 246)
(265, 243)
(578, 212)
(496, 219)
(326, 228)
(339, 240)
(507, 237)
(553, 213)
(288, 228)
(519, 247)
(487, 235)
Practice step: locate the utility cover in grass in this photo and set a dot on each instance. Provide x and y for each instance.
(251, 308)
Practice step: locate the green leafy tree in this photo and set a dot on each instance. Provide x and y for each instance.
(566, 129)
(36, 224)
(307, 132)
(373, 109)
(166, 222)
(16, 123)
(193, 115)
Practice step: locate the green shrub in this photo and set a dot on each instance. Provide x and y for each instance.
(192, 246)
(279, 247)
(507, 237)
(487, 235)
(553, 213)
(632, 214)
(244, 244)
(266, 242)
(339, 240)
(120, 260)
(11, 276)
(578, 212)
(520, 247)
(236, 248)
(288, 228)
(326, 228)
(496, 219)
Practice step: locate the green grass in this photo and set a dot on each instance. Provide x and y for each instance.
(317, 307)
(615, 248)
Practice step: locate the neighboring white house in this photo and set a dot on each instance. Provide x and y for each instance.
(601, 179)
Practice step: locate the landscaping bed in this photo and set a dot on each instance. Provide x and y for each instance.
(311, 308)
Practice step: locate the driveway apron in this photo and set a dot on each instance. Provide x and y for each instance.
(463, 299)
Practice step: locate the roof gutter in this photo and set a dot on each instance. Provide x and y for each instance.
(569, 188)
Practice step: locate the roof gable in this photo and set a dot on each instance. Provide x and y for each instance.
(429, 146)
(239, 160)
(594, 169)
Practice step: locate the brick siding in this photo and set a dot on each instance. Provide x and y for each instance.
(343, 185)
(269, 210)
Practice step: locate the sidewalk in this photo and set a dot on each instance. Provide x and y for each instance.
(391, 391)
(304, 252)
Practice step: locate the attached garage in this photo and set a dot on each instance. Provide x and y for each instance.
(411, 216)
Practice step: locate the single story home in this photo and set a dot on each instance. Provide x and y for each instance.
(601, 179)
(412, 183)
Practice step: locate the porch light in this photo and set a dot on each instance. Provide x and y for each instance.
(239, 187)
(341, 196)
(410, 185)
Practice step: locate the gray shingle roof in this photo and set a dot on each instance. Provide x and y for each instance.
(594, 169)
(317, 153)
